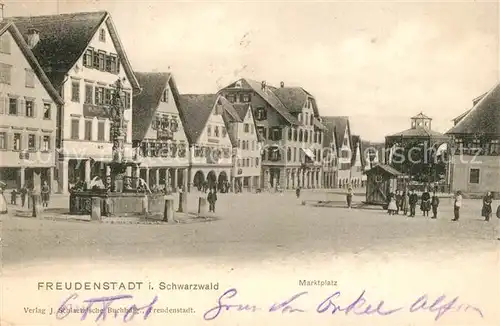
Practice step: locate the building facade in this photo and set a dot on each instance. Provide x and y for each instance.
(475, 163)
(210, 148)
(287, 121)
(159, 139)
(246, 171)
(86, 60)
(339, 129)
(28, 106)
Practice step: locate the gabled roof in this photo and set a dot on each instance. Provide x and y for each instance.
(483, 118)
(387, 169)
(234, 113)
(418, 132)
(338, 125)
(294, 98)
(196, 109)
(241, 109)
(146, 102)
(355, 141)
(64, 38)
(421, 115)
(268, 96)
(30, 57)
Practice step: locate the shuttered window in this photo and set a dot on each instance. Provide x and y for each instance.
(31, 142)
(16, 144)
(75, 129)
(13, 106)
(100, 130)
(88, 129)
(45, 146)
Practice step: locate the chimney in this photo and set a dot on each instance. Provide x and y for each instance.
(33, 37)
(263, 85)
(282, 84)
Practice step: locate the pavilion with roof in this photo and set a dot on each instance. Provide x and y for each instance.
(418, 148)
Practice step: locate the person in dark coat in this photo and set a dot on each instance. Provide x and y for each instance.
(435, 205)
(23, 191)
(486, 210)
(297, 192)
(13, 197)
(212, 199)
(45, 192)
(399, 204)
(413, 199)
(425, 205)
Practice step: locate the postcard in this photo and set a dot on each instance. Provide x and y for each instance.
(249, 163)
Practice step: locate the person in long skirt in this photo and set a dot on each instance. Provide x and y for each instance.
(392, 207)
(3, 202)
(425, 205)
(45, 192)
(486, 210)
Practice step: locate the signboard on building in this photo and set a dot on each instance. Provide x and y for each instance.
(90, 110)
(165, 134)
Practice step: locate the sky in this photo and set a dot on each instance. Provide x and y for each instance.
(377, 62)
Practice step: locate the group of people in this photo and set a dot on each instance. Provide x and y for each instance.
(26, 191)
(407, 201)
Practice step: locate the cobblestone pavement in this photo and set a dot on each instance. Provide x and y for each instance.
(256, 225)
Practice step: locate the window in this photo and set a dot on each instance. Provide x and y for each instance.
(107, 96)
(295, 134)
(256, 161)
(3, 140)
(88, 130)
(47, 111)
(289, 154)
(89, 89)
(290, 133)
(5, 71)
(246, 127)
(30, 108)
(260, 113)
(95, 60)
(276, 133)
(261, 132)
(224, 132)
(75, 91)
(474, 176)
(102, 35)
(17, 142)
(164, 97)
(31, 142)
(127, 102)
(100, 130)
(102, 60)
(306, 136)
(301, 134)
(30, 78)
(75, 128)
(111, 66)
(99, 95)
(13, 106)
(45, 144)
(245, 98)
(311, 120)
(87, 58)
(216, 131)
(295, 154)
(209, 131)
(5, 43)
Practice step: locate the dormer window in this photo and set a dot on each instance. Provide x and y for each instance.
(238, 84)
(102, 35)
(164, 97)
(245, 98)
(260, 114)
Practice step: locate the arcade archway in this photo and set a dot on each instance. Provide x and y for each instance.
(211, 179)
(221, 181)
(198, 180)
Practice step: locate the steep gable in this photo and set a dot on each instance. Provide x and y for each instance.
(13, 31)
(147, 101)
(64, 38)
(340, 127)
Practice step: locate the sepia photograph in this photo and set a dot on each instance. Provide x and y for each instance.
(249, 162)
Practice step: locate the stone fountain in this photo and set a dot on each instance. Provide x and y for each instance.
(116, 196)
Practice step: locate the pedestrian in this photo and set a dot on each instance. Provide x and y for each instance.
(349, 197)
(406, 202)
(413, 199)
(23, 192)
(3, 202)
(13, 197)
(425, 205)
(297, 192)
(211, 198)
(486, 210)
(45, 194)
(435, 205)
(392, 207)
(457, 205)
(398, 201)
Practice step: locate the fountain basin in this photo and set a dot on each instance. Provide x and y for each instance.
(115, 203)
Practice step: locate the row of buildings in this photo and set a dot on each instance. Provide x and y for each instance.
(58, 74)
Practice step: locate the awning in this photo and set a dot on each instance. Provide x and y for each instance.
(309, 153)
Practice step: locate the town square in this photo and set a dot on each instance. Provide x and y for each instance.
(247, 170)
